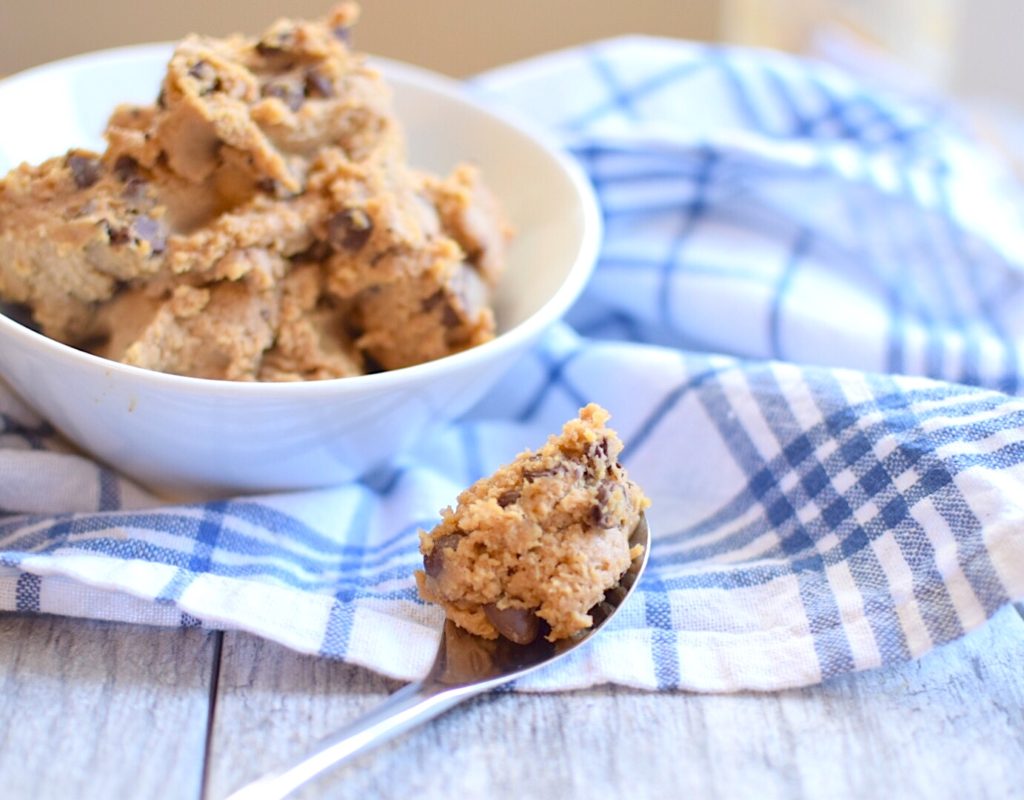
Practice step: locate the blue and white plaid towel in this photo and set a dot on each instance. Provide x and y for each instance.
(808, 322)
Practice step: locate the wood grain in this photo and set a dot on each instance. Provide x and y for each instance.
(948, 726)
(101, 710)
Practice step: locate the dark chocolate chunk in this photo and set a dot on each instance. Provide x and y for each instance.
(433, 564)
(267, 49)
(147, 229)
(276, 43)
(533, 474)
(507, 498)
(519, 625)
(85, 170)
(287, 91)
(116, 236)
(318, 85)
(126, 168)
(371, 366)
(468, 294)
(600, 518)
(349, 229)
(206, 76)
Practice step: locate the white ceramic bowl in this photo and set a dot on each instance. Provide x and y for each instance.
(190, 436)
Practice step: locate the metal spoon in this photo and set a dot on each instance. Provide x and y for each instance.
(465, 665)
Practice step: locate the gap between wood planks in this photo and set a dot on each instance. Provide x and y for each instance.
(211, 710)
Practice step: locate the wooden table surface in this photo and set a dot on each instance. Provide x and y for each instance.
(100, 710)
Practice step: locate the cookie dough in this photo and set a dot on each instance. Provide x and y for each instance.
(258, 221)
(535, 546)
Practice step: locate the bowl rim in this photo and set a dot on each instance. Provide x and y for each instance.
(549, 312)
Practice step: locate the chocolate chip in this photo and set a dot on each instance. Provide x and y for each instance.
(371, 365)
(287, 91)
(206, 76)
(469, 293)
(519, 625)
(85, 170)
(533, 474)
(505, 499)
(602, 493)
(349, 229)
(599, 518)
(147, 229)
(428, 304)
(267, 186)
(268, 49)
(116, 236)
(318, 85)
(277, 42)
(126, 168)
(601, 449)
(433, 564)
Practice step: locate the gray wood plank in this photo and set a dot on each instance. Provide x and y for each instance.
(948, 726)
(102, 710)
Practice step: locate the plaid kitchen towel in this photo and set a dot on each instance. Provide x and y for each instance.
(806, 320)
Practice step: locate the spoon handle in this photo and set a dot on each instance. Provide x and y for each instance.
(409, 706)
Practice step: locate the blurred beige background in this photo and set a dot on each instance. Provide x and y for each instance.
(458, 37)
(969, 47)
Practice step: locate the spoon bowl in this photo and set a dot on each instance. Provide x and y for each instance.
(465, 665)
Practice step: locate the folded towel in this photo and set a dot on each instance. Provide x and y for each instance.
(804, 321)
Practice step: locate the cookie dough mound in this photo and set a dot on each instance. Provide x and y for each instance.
(537, 544)
(258, 221)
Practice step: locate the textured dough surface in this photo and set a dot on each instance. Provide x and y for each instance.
(263, 204)
(547, 535)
